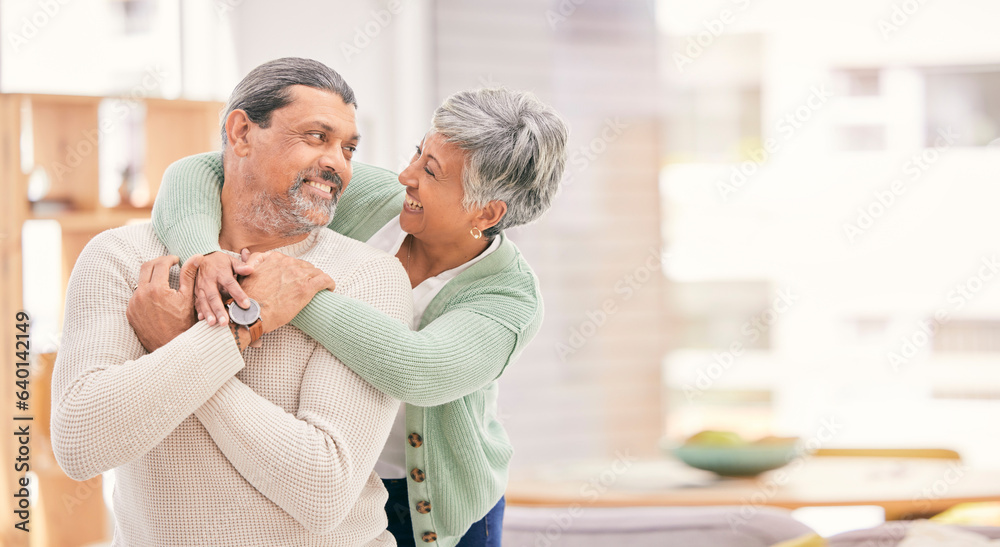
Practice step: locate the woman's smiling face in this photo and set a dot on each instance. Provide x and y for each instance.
(432, 210)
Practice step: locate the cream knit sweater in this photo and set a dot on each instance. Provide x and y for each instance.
(273, 447)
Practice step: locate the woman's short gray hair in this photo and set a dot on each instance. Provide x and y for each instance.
(515, 150)
(265, 88)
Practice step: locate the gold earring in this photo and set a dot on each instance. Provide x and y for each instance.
(476, 232)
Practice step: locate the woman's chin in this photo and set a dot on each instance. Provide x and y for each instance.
(408, 224)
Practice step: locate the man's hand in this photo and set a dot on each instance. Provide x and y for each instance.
(156, 312)
(283, 285)
(216, 275)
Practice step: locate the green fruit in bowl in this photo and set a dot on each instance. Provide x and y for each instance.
(728, 454)
(715, 439)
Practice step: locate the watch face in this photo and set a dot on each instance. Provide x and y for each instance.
(242, 316)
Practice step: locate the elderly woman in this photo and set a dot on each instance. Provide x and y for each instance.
(492, 160)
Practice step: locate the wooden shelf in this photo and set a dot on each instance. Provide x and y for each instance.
(65, 134)
(99, 220)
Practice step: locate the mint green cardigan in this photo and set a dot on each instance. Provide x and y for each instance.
(445, 371)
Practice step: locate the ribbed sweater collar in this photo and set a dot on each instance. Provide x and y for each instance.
(295, 249)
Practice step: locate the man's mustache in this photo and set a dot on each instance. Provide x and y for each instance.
(328, 176)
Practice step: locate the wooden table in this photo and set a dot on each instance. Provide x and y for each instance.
(904, 487)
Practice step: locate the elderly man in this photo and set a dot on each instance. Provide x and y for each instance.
(216, 435)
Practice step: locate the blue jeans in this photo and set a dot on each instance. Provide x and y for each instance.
(484, 533)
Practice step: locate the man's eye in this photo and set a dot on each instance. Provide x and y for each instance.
(317, 135)
(351, 149)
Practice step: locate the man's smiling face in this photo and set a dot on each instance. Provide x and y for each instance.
(300, 164)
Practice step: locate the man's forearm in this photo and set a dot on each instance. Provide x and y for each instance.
(110, 410)
(313, 464)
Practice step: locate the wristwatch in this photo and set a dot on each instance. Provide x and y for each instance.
(249, 318)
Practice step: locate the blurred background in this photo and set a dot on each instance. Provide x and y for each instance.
(777, 215)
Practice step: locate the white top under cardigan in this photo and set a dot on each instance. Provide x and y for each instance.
(392, 462)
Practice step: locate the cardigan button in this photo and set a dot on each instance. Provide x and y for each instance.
(423, 507)
(417, 475)
(429, 537)
(415, 440)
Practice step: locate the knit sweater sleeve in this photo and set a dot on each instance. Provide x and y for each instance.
(187, 213)
(458, 353)
(112, 402)
(314, 463)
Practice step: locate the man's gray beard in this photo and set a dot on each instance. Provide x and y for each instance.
(288, 215)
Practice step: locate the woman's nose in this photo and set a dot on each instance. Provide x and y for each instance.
(408, 176)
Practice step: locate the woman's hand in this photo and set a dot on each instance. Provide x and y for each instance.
(283, 285)
(217, 275)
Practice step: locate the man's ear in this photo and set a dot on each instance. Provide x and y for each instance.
(490, 215)
(238, 127)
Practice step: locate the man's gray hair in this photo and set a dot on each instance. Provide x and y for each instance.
(515, 150)
(265, 88)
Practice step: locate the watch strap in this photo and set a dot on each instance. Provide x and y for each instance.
(256, 330)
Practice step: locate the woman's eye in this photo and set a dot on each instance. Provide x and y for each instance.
(428, 171)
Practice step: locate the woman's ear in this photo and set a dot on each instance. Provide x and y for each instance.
(238, 127)
(490, 215)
